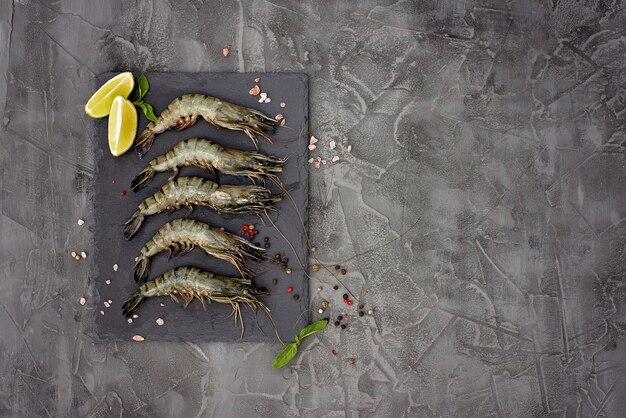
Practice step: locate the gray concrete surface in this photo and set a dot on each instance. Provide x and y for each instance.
(497, 126)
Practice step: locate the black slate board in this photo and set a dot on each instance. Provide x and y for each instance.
(111, 211)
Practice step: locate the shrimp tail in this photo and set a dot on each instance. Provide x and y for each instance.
(144, 142)
(131, 305)
(132, 225)
(142, 178)
(141, 269)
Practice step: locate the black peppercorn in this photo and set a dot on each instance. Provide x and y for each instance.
(337, 267)
(345, 296)
(286, 259)
(335, 287)
(274, 281)
(361, 306)
(344, 271)
(339, 318)
(256, 244)
(343, 326)
(267, 245)
(361, 313)
(336, 323)
(266, 239)
(296, 297)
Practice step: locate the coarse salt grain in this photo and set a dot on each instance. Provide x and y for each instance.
(254, 91)
(283, 104)
(130, 321)
(318, 162)
(311, 160)
(262, 97)
(138, 338)
(332, 144)
(323, 161)
(110, 302)
(107, 304)
(82, 301)
(349, 148)
(162, 304)
(268, 100)
(312, 147)
(160, 322)
(256, 80)
(135, 316)
(335, 159)
(83, 254)
(101, 312)
(313, 140)
(73, 254)
(81, 222)
(282, 122)
(226, 52)
(278, 117)
(108, 281)
(115, 267)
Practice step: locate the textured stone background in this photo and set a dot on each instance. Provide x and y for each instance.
(499, 127)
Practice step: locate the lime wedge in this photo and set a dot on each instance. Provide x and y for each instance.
(122, 126)
(100, 103)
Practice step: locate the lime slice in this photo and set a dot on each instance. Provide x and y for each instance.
(100, 103)
(122, 126)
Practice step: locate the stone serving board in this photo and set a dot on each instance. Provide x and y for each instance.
(113, 175)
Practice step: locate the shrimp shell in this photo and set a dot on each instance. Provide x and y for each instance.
(206, 154)
(191, 282)
(190, 191)
(185, 234)
(185, 110)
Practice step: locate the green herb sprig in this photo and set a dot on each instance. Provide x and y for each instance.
(292, 349)
(144, 86)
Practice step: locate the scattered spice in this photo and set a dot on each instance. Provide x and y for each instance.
(313, 249)
(361, 313)
(365, 292)
(130, 320)
(83, 254)
(343, 326)
(337, 267)
(77, 257)
(282, 122)
(112, 181)
(160, 322)
(115, 267)
(319, 289)
(313, 140)
(339, 318)
(318, 162)
(256, 80)
(320, 311)
(312, 147)
(345, 296)
(336, 323)
(254, 91)
(335, 287)
(289, 289)
(101, 312)
(73, 254)
(288, 271)
(315, 267)
(335, 159)
(135, 316)
(334, 352)
(344, 271)
(279, 117)
(296, 297)
(370, 312)
(332, 144)
(267, 245)
(283, 104)
(138, 338)
(82, 301)
(263, 97)
(274, 281)
(361, 306)
(123, 193)
(349, 148)
(225, 52)
(81, 222)
(324, 303)
(351, 361)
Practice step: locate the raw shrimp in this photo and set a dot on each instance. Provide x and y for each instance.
(189, 191)
(185, 110)
(206, 154)
(185, 234)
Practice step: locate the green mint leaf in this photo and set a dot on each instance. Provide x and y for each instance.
(149, 112)
(313, 328)
(285, 357)
(144, 86)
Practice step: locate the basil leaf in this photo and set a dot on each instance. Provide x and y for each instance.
(149, 112)
(138, 102)
(144, 86)
(313, 328)
(285, 357)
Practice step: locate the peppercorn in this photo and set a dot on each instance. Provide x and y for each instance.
(324, 303)
(267, 245)
(274, 281)
(251, 226)
(339, 318)
(349, 302)
(343, 326)
(320, 311)
(361, 306)
(122, 193)
(335, 287)
(361, 313)
(351, 361)
(288, 271)
(345, 296)
(286, 259)
(313, 249)
(319, 289)
(290, 289)
(277, 256)
(336, 323)
(344, 271)
(296, 297)
(266, 239)
(370, 312)
(337, 267)
(315, 267)
(256, 244)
